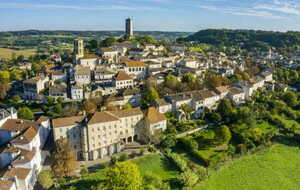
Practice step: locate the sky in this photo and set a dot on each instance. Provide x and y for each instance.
(150, 15)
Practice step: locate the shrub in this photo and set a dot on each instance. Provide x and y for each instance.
(178, 161)
(113, 160)
(123, 157)
(61, 181)
(151, 149)
(201, 157)
(169, 141)
(189, 143)
(133, 154)
(188, 179)
(45, 179)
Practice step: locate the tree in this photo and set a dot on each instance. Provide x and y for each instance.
(169, 141)
(89, 107)
(214, 81)
(188, 179)
(4, 77)
(127, 106)
(188, 78)
(187, 109)
(148, 97)
(107, 42)
(45, 179)
(290, 98)
(16, 99)
(225, 109)
(25, 113)
(92, 45)
(223, 135)
(244, 116)
(171, 81)
(4, 88)
(123, 176)
(144, 39)
(57, 108)
(50, 100)
(70, 110)
(15, 75)
(64, 159)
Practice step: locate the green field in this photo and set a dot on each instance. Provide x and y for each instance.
(275, 169)
(6, 53)
(149, 164)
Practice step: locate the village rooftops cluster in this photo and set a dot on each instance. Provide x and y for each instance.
(21, 150)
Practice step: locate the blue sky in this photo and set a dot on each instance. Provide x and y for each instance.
(164, 15)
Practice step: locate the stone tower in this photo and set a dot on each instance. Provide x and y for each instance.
(78, 51)
(129, 28)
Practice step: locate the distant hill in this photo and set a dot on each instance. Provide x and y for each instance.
(244, 38)
(89, 34)
(34, 38)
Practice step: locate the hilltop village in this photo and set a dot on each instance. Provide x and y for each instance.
(123, 93)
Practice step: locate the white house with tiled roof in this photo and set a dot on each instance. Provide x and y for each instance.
(8, 185)
(106, 132)
(155, 122)
(22, 154)
(110, 54)
(32, 87)
(163, 106)
(90, 61)
(136, 68)
(123, 80)
(82, 75)
(68, 127)
(23, 178)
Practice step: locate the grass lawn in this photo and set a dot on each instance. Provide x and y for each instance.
(156, 164)
(275, 169)
(6, 53)
(153, 163)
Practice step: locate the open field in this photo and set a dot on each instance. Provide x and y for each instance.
(277, 168)
(6, 53)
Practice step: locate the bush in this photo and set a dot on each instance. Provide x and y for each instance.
(178, 161)
(45, 179)
(133, 154)
(188, 179)
(113, 160)
(61, 181)
(169, 141)
(189, 143)
(123, 157)
(151, 149)
(201, 157)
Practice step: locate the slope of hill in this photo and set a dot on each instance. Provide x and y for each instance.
(276, 169)
(244, 38)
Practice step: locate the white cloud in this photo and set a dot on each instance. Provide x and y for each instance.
(58, 6)
(285, 6)
(242, 11)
